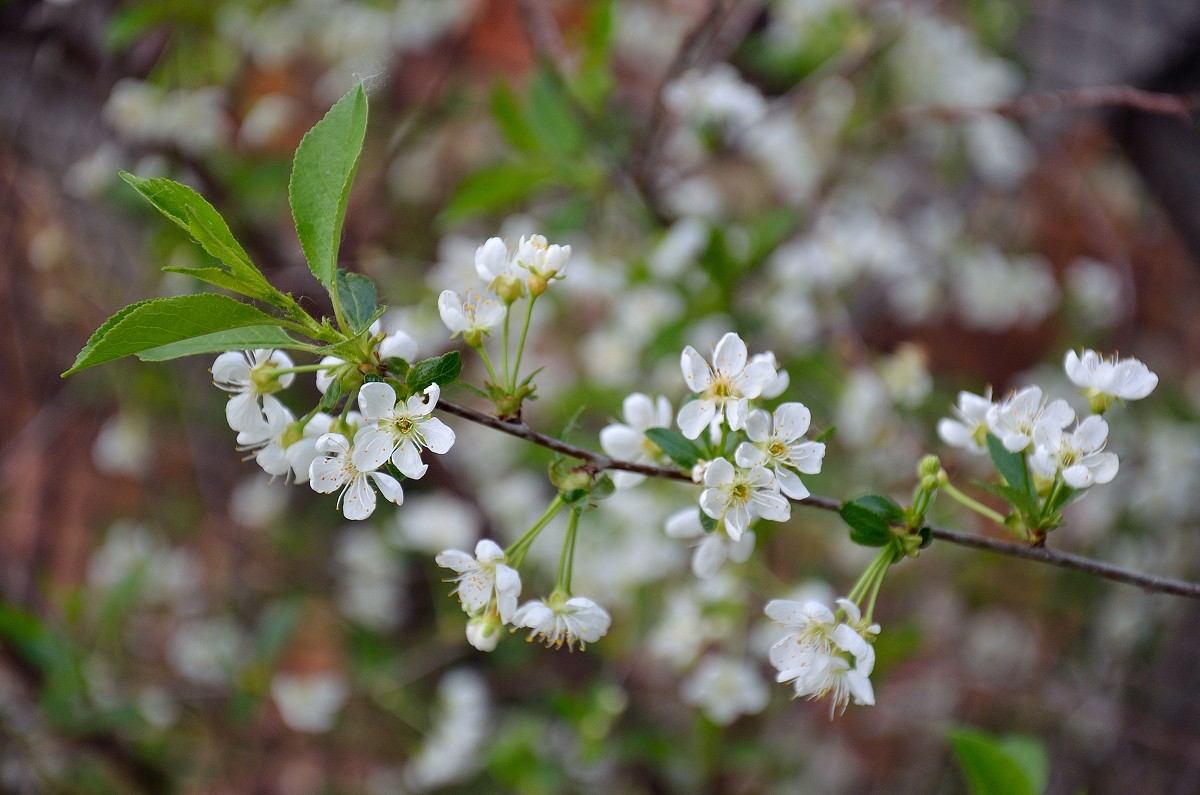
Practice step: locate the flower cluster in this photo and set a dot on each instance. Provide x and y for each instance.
(347, 454)
(768, 448)
(825, 652)
(1027, 423)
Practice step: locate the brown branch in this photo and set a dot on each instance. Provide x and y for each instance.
(545, 39)
(1182, 105)
(1064, 560)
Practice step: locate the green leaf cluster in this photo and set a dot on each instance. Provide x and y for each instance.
(167, 328)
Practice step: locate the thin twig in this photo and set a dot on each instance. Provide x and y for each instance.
(1182, 105)
(1064, 560)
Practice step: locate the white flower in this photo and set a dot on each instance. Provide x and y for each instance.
(247, 376)
(781, 447)
(969, 429)
(725, 386)
(309, 703)
(1013, 420)
(460, 730)
(473, 315)
(713, 548)
(627, 441)
(267, 438)
(820, 658)
(1079, 456)
(560, 621)
(492, 260)
(738, 495)
(401, 430)
(350, 469)
(301, 453)
(775, 387)
(1106, 381)
(726, 688)
(397, 345)
(484, 579)
(544, 260)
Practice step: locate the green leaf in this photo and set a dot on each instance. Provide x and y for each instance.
(240, 339)
(322, 174)
(871, 518)
(1011, 466)
(440, 370)
(189, 210)
(357, 294)
(707, 522)
(991, 768)
(1013, 496)
(678, 448)
(162, 321)
(826, 435)
(498, 187)
(550, 114)
(511, 120)
(332, 395)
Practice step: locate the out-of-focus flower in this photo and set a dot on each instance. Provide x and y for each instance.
(968, 428)
(1105, 381)
(627, 440)
(560, 620)
(726, 688)
(309, 703)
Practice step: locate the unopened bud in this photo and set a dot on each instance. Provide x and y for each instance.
(484, 632)
(508, 287)
(929, 465)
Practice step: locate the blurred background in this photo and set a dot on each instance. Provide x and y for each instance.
(852, 185)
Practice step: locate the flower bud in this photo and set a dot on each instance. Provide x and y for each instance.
(484, 632)
(508, 287)
(537, 285)
(930, 465)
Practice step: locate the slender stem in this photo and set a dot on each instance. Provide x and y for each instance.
(515, 554)
(303, 368)
(516, 373)
(974, 505)
(566, 559)
(504, 343)
(1051, 498)
(487, 362)
(1064, 560)
(887, 557)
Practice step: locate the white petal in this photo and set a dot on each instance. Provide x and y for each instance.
(684, 524)
(358, 501)
(231, 368)
(1092, 433)
(747, 455)
(439, 438)
(491, 259)
(790, 484)
(792, 421)
(714, 503)
(455, 559)
(735, 413)
(398, 345)
(638, 410)
(737, 519)
(376, 400)
(807, 456)
(626, 480)
(326, 475)
(696, 371)
(710, 555)
(621, 441)
(508, 588)
(389, 487)
(695, 416)
(758, 425)
(771, 506)
(371, 448)
(450, 307)
(243, 413)
(407, 459)
(718, 473)
(743, 548)
(730, 356)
